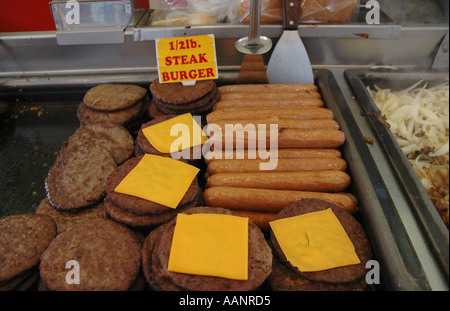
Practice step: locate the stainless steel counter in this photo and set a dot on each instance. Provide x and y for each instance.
(327, 45)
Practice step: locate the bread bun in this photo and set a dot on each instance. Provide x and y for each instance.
(327, 11)
(317, 11)
(271, 12)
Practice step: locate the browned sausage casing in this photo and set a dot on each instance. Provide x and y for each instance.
(272, 102)
(283, 165)
(269, 95)
(322, 181)
(293, 153)
(261, 113)
(287, 138)
(268, 88)
(317, 138)
(262, 220)
(269, 201)
(282, 123)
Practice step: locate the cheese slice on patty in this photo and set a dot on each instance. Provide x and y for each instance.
(211, 245)
(314, 241)
(176, 134)
(159, 179)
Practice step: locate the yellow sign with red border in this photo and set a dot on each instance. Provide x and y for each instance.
(186, 59)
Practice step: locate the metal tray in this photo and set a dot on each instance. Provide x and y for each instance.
(392, 246)
(432, 225)
(41, 117)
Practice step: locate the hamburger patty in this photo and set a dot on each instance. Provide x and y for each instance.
(178, 94)
(135, 204)
(151, 265)
(87, 115)
(353, 229)
(141, 221)
(112, 136)
(65, 219)
(284, 278)
(145, 146)
(113, 96)
(259, 261)
(108, 254)
(200, 105)
(79, 175)
(23, 238)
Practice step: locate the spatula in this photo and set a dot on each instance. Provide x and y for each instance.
(289, 62)
(253, 69)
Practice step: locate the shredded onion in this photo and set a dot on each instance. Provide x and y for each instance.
(418, 117)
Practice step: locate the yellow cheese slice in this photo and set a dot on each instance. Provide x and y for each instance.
(315, 241)
(176, 134)
(159, 179)
(210, 244)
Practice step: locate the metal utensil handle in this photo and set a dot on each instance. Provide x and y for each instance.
(255, 20)
(291, 14)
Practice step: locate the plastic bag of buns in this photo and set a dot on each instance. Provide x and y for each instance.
(327, 11)
(271, 12)
(195, 12)
(311, 11)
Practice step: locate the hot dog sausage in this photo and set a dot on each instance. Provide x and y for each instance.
(294, 153)
(269, 95)
(262, 113)
(287, 138)
(274, 102)
(317, 138)
(282, 123)
(322, 181)
(260, 219)
(269, 201)
(268, 88)
(283, 165)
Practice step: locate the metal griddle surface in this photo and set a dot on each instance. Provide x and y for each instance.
(31, 134)
(33, 131)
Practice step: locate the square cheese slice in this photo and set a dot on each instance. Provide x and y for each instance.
(159, 179)
(315, 241)
(210, 244)
(176, 134)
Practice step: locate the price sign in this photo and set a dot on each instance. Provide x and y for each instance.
(186, 59)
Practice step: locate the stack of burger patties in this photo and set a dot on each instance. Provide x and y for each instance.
(123, 104)
(23, 238)
(176, 98)
(286, 276)
(157, 249)
(139, 213)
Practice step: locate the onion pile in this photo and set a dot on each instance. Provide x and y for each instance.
(419, 119)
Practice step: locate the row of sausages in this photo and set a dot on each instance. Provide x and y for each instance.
(309, 162)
